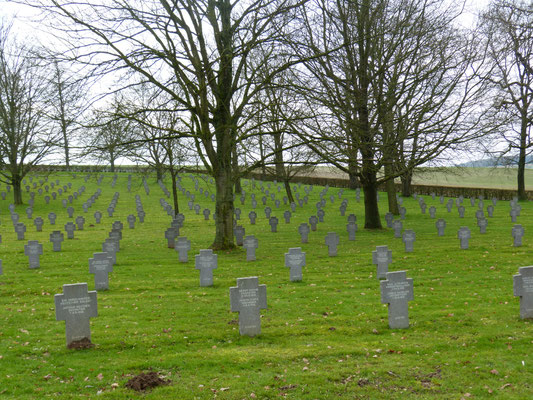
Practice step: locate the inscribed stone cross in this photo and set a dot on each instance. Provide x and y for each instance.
(389, 217)
(70, 228)
(273, 221)
(397, 225)
(287, 215)
(408, 237)
(381, 257)
(396, 291)
(110, 246)
(101, 265)
(351, 227)
(75, 306)
(248, 298)
(517, 233)
(441, 225)
(171, 234)
(332, 241)
(464, 234)
(239, 233)
(206, 262)
(252, 215)
(33, 250)
(295, 260)
(131, 221)
(523, 287)
(80, 221)
(313, 220)
(303, 230)
(56, 237)
(20, 229)
(482, 223)
(38, 222)
(182, 246)
(250, 243)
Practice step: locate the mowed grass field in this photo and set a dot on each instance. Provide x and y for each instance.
(326, 337)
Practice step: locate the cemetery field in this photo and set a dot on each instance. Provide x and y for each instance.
(324, 337)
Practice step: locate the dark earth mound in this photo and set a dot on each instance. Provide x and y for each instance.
(81, 344)
(145, 381)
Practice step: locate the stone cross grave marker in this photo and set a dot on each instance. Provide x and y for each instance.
(464, 234)
(304, 230)
(482, 223)
(320, 214)
(268, 211)
(206, 262)
(351, 227)
(490, 210)
(197, 209)
(171, 234)
(75, 306)
(408, 238)
(33, 250)
(56, 237)
(70, 228)
(253, 216)
(29, 212)
(397, 225)
(432, 212)
(449, 205)
(396, 291)
(97, 216)
(313, 221)
(141, 214)
(248, 298)
(352, 218)
(238, 213)
(381, 257)
(523, 288)
(295, 260)
(131, 221)
(513, 214)
(182, 246)
(332, 241)
(52, 218)
(101, 265)
(517, 233)
(479, 214)
(80, 221)
(38, 222)
(461, 210)
(273, 221)
(70, 212)
(111, 247)
(206, 213)
(20, 229)
(440, 225)
(423, 207)
(287, 216)
(250, 243)
(389, 218)
(239, 233)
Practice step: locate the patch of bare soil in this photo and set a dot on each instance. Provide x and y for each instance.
(146, 381)
(81, 344)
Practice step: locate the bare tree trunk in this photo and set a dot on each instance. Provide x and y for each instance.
(173, 175)
(288, 190)
(372, 220)
(522, 161)
(238, 187)
(262, 155)
(224, 210)
(406, 179)
(16, 182)
(391, 191)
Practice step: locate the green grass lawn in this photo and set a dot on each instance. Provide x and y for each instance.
(325, 337)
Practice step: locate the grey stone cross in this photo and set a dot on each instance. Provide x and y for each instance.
(381, 257)
(396, 291)
(206, 262)
(248, 298)
(295, 260)
(75, 306)
(101, 265)
(523, 288)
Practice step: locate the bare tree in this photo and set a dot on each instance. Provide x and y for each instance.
(384, 72)
(109, 134)
(508, 28)
(69, 105)
(26, 135)
(200, 52)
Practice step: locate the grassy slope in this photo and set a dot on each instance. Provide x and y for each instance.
(325, 337)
